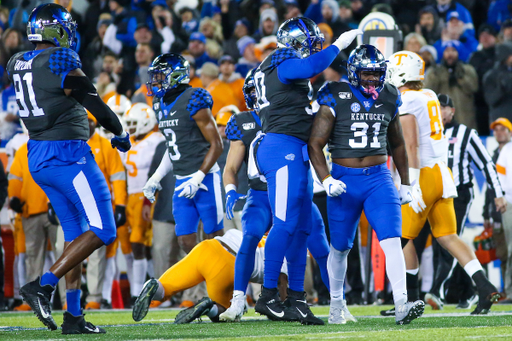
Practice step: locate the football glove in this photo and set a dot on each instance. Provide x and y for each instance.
(346, 38)
(190, 187)
(231, 198)
(417, 202)
(122, 142)
(333, 187)
(405, 193)
(120, 215)
(151, 186)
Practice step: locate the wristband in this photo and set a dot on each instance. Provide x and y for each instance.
(230, 187)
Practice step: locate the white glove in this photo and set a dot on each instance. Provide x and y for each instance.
(346, 38)
(151, 187)
(417, 202)
(192, 185)
(334, 187)
(405, 193)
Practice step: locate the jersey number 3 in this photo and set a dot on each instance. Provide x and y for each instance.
(20, 84)
(360, 129)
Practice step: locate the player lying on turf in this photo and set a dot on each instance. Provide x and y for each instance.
(358, 120)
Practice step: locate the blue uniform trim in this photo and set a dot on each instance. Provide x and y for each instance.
(325, 96)
(256, 117)
(200, 99)
(166, 108)
(367, 102)
(232, 131)
(63, 61)
(31, 54)
(398, 104)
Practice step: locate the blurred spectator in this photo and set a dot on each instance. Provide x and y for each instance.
(92, 17)
(195, 81)
(441, 45)
(383, 8)
(292, 9)
(429, 26)
(9, 120)
(120, 34)
(197, 48)
(265, 47)
(211, 30)
(92, 60)
(414, 42)
(269, 24)
(248, 61)
(77, 17)
(499, 11)
(456, 31)
(483, 61)
(331, 16)
(233, 79)
(327, 32)
(105, 85)
(144, 55)
(359, 9)
(221, 92)
(188, 20)
(506, 31)
(498, 84)
(4, 18)
(458, 80)
(346, 15)
(429, 55)
(12, 42)
(446, 7)
(163, 38)
(3, 195)
(242, 29)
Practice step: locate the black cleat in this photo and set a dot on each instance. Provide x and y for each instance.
(78, 325)
(38, 298)
(197, 310)
(389, 312)
(104, 305)
(270, 305)
(296, 302)
(485, 302)
(141, 304)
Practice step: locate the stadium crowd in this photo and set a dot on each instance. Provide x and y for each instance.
(466, 46)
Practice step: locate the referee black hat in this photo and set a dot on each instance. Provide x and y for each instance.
(445, 100)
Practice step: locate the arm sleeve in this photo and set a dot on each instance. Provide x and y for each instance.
(295, 68)
(200, 99)
(232, 131)
(164, 167)
(483, 161)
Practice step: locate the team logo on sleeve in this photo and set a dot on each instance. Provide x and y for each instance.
(355, 107)
(248, 126)
(345, 95)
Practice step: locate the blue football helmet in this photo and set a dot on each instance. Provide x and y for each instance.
(366, 58)
(52, 23)
(169, 70)
(249, 90)
(302, 35)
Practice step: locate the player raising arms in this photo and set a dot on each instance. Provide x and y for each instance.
(52, 91)
(357, 120)
(427, 147)
(284, 95)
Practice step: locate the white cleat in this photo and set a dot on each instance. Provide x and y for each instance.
(348, 316)
(237, 309)
(409, 311)
(336, 313)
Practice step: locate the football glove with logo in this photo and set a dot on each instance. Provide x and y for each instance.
(333, 187)
(231, 198)
(190, 187)
(122, 142)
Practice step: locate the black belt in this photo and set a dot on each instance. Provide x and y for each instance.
(228, 249)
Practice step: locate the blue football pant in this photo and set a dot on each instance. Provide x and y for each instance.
(206, 205)
(81, 198)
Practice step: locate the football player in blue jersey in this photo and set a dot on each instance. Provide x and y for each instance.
(241, 130)
(193, 144)
(284, 94)
(357, 120)
(51, 92)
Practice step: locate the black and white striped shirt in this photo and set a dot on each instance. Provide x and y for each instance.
(464, 147)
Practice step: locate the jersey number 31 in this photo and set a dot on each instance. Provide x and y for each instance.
(20, 86)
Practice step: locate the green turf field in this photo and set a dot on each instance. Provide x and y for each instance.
(449, 324)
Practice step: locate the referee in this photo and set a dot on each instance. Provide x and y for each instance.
(464, 147)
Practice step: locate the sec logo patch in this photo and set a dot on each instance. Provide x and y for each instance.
(355, 107)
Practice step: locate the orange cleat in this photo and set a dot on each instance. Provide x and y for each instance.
(92, 306)
(186, 304)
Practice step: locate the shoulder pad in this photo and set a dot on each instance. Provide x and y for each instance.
(63, 60)
(282, 54)
(200, 99)
(325, 97)
(232, 131)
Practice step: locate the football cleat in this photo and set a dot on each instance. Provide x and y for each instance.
(237, 309)
(336, 313)
(296, 302)
(467, 304)
(409, 311)
(38, 298)
(78, 325)
(389, 312)
(348, 316)
(142, 303)
(270, 305)
(485, 303)
(190, 314)
(435, 302)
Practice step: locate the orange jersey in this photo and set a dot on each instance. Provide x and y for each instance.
(222, 95)
(23, 186)
(237, 86)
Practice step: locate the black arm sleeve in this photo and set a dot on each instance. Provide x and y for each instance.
(85, 93)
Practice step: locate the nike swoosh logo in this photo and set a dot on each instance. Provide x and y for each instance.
(93, 94)
(376, 106)
(281, 314)
(302, 302)
(303, 315)
(44, 314)
(96, 330)
(174, 112)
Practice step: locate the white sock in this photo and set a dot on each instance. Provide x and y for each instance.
(427, 269)
(160, 292)
(110, 272)
(22, 270)
(472, 267)
(395, 268)
(140, 268)
(337, 268)
(413, 272)
(129, 266)
(213, 312)
(151, 269)
(238, 293)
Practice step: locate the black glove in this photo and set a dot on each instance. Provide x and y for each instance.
(120, 215)
(16, 205)
(52, 216)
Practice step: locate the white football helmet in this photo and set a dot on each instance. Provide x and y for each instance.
(405, 66)
(140, 119)
(119, 104)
